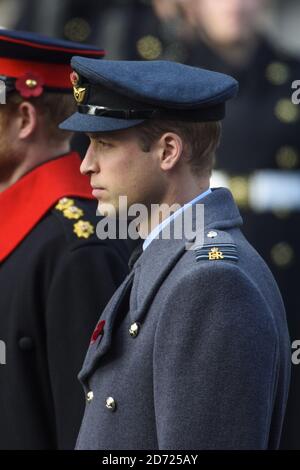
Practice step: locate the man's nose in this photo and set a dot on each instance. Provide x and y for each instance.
(89, 164)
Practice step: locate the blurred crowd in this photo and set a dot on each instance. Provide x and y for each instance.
(143, 29)
(255, 41)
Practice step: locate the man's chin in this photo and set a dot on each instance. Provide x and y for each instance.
(105, 209)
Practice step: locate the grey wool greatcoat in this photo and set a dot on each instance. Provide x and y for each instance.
(190, 352)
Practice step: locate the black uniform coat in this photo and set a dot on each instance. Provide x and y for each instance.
(55, 278)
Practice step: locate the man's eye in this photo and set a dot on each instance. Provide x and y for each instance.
(103, 144)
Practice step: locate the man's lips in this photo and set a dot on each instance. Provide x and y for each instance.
(97, 191)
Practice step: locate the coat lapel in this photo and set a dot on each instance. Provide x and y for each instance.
(99, 347)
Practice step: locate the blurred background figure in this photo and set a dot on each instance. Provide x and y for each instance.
(56, 276)
(10, 12)
(117, 24)
(256, 41)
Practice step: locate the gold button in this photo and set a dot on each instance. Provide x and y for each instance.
(212, 234)
(277, 73)
(134, 330)
(89, 396)
(110, 404)
(282, 254)
(286, 111)
(287, 157)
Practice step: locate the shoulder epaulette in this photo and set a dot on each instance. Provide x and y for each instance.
(79, 222)
(217, 246)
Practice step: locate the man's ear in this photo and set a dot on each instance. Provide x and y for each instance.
(171, 147)
(27, 120)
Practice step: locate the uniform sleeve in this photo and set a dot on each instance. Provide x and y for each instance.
(215, 363)
(82, 285)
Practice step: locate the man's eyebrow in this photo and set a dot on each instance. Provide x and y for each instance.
(94, 135)
(97, 135)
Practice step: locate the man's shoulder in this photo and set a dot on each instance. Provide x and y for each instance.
(217, 245)
(218, 250)
(225, 260)
(224, 281)
(70, 224)
(66, 227)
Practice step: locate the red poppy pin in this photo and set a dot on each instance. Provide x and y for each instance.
(97, 331)
(74, 77)
(29, 85)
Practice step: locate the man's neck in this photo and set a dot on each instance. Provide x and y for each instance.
(172, 201)
(30, 161)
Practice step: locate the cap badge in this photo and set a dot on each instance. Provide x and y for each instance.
(79, 92)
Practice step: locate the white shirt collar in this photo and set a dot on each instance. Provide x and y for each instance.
(155, 232)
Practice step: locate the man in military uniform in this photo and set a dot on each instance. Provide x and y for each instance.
(55, 275)
(259, 156)
(192, 351)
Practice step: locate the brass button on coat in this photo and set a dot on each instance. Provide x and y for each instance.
(110, 404)
(89, 396)
(212, 234)
(134, 330)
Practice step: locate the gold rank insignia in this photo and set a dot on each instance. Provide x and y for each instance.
(64, 203)
(73, 212)
(78, 91)
(83, 229)
(215, 254)
(222, 251)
